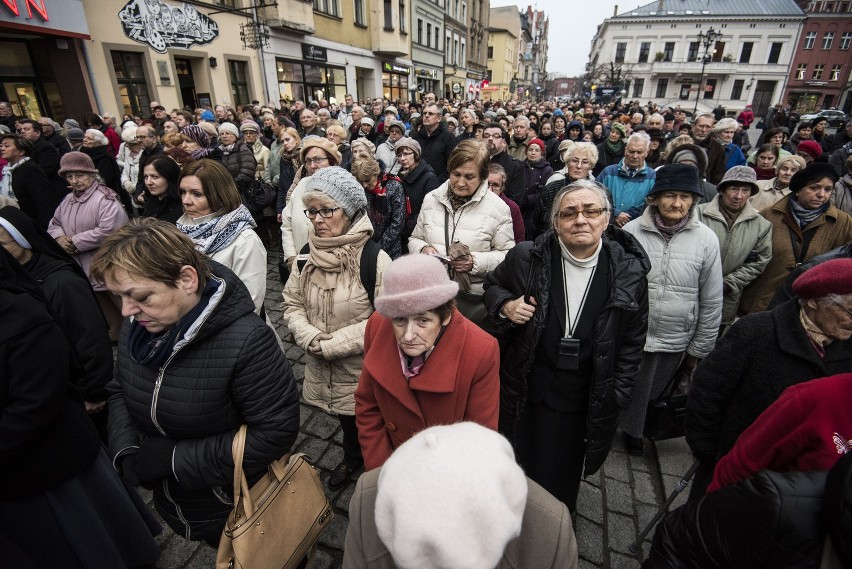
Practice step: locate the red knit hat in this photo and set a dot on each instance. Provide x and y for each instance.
(811, 148)
(538, 142)
(831, 277)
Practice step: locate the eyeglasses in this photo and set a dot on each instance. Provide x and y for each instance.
(588, 213)
(318, 160)
(578, 162)
(325, 212)
(405, 153)
(430, 114)
(495, 184)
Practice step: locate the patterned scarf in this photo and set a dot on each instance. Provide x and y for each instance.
(6, 182)
(805, 216)
(212, 236)
(818, 340)
(614, 147)
(669, 231)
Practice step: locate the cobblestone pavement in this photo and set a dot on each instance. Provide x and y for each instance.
(613, 506)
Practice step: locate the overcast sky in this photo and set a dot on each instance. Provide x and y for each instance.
(572, 25)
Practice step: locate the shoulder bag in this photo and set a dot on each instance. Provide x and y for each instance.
(277, 522)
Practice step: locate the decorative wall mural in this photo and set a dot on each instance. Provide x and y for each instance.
(163, 25)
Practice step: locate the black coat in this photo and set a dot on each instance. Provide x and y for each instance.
(45, 435)
(47, 156)
(59, 142)
(241, 164)
(436, 149)
(231, 372)
(417, 183)
(37, 196)
(514, 187)
(760, 356)
(146, 156)
(169, 209)
(771, 520)
(107, 166)
(619, 335)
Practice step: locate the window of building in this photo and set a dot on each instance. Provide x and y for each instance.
(329, 7)
(297, 80)
(668, 51)
(818, 69)
(490, 52)
(644, 51)
(775, 52)
(662, 87)
(402, 27)
(810, 39)
(429, 36)
(745, 52)
(420, 32)
(718, 51)
(737, 90)
(388, 14)
(638, 87)
(463, 58)
(801, 69)
(455, 51)
(448, 46)
(835, 73)
(130, 75)
(827, 39)
(710, 88)
(359, 12)
(845, 40)
(437, 43)
(395, 86)
(685, 88)
(238, 71)
(620, 49)
(692, 54)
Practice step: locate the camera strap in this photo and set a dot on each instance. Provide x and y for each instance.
(571, 327)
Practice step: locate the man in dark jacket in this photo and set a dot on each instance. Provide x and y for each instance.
(703, 137)
(497, 140)
(567, 364)
(43, 153)
(151, 148)
(436, 141)
(48, 132)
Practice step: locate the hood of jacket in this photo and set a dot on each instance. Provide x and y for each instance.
(576, 124)
(695, 149)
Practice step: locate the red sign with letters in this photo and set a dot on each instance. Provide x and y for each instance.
(30, 5)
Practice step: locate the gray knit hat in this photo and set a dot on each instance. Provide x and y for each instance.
(739, 175)
(75, 134)
(342, 187)
(407, 142)
(395, 123)
(229, 127)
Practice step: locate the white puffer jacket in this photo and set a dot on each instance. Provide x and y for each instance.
(684, 286)
(484, 224)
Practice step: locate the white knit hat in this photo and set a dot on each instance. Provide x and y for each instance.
(229, 127)
(368, 120)
(451, 496)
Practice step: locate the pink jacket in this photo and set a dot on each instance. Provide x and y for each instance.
(88, 219)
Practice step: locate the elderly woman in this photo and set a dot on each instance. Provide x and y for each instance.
(569, 361)
(773, 189)
(579, 159)
(418, 179)
(61, 502)
(196, 142)
(536, 173)
(326, 303)
(95, 146)
(251, 136)
(466, 225)
(765, 159)
(468, 120)
(87, 216)
(25, 183)
(221, 226)
(762, 354)
(724, 131)
(337, 134)
(415, 350)
(236, 156)
(804, 224)
(162, 199)
(194, 364)
(386, 203)
(316, 153)
(128, 160)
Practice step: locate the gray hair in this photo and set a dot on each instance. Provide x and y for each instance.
(656, 116)
(725, 124)
(497, 170)
(587, 148)
(599, 189)
(642, 137)
(522, 118)
(831, 298)
(98, 136)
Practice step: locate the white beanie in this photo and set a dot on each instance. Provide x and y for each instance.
(451, 496)
(368, 120)
(229, 127)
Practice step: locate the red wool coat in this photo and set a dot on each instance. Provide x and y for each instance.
(460, 382)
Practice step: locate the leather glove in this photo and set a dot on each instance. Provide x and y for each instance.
(127, 468)
(154, 459)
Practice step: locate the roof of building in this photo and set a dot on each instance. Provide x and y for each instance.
(692, 8)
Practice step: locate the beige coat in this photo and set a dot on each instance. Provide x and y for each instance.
(330, 380)
(830, 230)
(484, 224)
(546, 542)
(766, 196)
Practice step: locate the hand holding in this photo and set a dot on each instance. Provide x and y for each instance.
(314, 347)
(429, 250)
(622, 219)
(518, 311)
(462, 264)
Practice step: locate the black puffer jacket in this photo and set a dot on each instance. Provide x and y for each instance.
(771, 520)
(619, 333)
(229, 372)
(417, 183)
(240, 163)
(436, 149)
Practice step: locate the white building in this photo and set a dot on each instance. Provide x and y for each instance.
(658, 49)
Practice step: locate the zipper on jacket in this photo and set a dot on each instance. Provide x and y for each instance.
(661, 285)
(178, 511)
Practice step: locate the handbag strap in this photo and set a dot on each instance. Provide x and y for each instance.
(241, 489)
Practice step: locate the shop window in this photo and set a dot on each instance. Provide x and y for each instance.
(130, 75)
(329, 7)
(239, 82)
(775, 52)
(737, 90)
(310, 82)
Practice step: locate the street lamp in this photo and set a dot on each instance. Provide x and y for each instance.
(708, 39)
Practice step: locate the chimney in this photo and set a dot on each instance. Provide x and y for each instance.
(615, 11)
(660, 5)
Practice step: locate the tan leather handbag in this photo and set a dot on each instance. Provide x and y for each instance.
(277, 522)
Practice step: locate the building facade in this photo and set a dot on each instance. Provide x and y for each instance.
(455, 50)
(502, 64)
(477, 42)
(655, 53)
(534, 29)
(820, 74)
(427, 46)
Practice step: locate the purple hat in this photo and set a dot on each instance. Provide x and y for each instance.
(413, 284)
(196, 134)
(76, 162)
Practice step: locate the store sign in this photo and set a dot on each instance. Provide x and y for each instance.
(817, 83)
(433, 73)
(314, 53)
(457, 88)
(389, 67)
(60, 17)
(162, 25)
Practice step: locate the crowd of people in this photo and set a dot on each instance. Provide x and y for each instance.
(542, 271)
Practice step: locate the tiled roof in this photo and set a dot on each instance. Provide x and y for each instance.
(692, 8)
